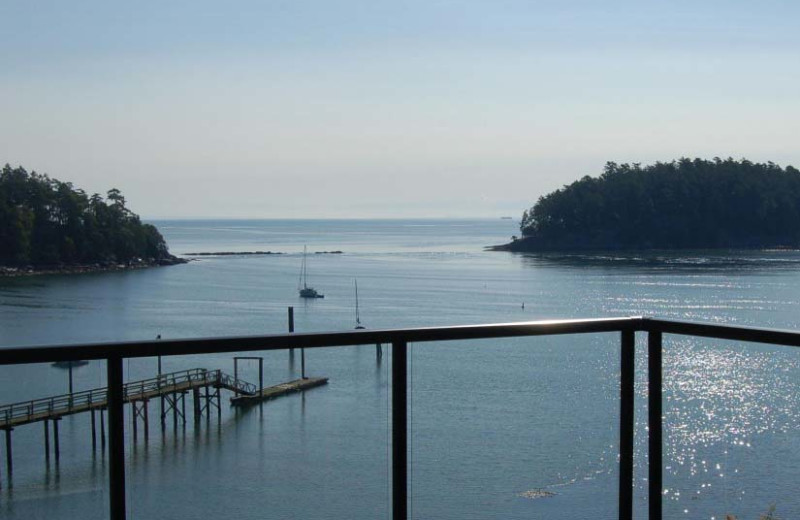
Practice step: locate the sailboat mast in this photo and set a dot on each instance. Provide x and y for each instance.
(358, 319)
(305, 286)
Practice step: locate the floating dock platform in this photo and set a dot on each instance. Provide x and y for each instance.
(271, 392)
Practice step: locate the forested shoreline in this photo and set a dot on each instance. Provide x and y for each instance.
(50, 226)
(684, 204)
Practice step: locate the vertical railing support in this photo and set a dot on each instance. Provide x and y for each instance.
(654, 423)
(399, 431)
(626, 424)
(116, 439)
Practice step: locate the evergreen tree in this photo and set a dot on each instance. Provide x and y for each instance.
(45, 222)
(680, 204)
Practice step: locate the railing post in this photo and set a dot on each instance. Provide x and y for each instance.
(399, 431)
(654, 423)
(116, 439)
(626, 424)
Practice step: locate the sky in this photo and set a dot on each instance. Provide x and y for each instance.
(373, 109)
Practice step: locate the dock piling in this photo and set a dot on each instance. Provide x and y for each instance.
(133, 419)
(196, 401)
(9, 459)
(94, 432)
(291, 328)
(102, 431)
(55, 439)
(47, 441)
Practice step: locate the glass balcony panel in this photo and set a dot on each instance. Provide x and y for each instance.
(515, 428)
(57, 472)
(318, 453)
(731, 437)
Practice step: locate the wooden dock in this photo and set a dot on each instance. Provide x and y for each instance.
(171, 389)
(271, 392)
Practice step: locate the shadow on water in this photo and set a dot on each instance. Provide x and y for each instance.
(684, 261)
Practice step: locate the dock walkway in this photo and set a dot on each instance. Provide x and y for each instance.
(171, 389)
(36, 410)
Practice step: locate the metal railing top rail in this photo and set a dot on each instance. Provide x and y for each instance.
(176, 347)
(789, 338)
(150, 348)
(114, 353)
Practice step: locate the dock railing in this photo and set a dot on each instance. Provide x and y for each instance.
(15, 414)
(655, 329)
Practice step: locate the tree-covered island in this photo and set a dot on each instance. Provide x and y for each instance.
(684, 204)
(48, 225)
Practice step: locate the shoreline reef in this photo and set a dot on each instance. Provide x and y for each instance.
(525, 245)
(253, 253)
(101, 267)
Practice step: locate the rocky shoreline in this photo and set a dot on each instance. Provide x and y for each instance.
(30, 270)
(253, 253)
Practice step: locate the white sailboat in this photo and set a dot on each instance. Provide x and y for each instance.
(302, 284)
(358, 318)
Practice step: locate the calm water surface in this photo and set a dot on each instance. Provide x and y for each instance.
(491, 420)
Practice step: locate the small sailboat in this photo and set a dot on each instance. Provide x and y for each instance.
(302, 284)
(359, 326)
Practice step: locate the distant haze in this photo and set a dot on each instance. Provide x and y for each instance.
(386, 109)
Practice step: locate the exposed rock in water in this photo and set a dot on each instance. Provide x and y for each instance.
(534, 494)
(233, 253)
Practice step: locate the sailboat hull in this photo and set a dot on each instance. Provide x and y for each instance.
(308, 292)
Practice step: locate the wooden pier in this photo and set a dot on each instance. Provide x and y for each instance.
(298, 385)
(170, 389)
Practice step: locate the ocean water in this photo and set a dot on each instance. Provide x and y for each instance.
(492, 422)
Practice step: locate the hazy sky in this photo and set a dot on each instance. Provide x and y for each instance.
(338, 108)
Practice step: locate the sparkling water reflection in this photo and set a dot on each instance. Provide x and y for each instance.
(492, 426)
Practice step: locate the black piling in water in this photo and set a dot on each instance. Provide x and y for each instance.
(9, 459)
(47, 441)
(102, 431)
(196, 401)
(146, 420)
(94, 432)
(302, 350)
(56, 448)
(183, 407)
(291, 326)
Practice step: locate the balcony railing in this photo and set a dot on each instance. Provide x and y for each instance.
(115, 353)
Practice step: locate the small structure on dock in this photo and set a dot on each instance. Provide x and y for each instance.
(271, 392)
